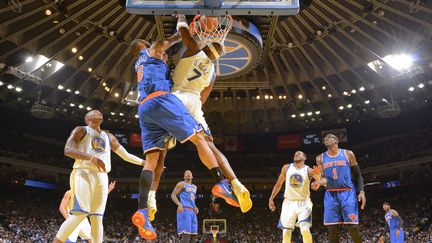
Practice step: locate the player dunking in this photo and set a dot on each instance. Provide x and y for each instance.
(337, 166)
(84, 228)
(393, 224)
(91, 148)
(193, 78)
(187, 221)
(162, 114)
(297, 205)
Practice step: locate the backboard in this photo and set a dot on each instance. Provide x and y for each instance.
(214, 7)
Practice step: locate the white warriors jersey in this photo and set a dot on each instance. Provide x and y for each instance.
(297, 183)
(97, 144)
(193, 74)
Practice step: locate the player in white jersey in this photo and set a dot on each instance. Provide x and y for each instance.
(297, 205)
(193, 79)
(83, 230)
(91, 148)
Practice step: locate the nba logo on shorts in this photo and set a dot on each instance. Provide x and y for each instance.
(296, 180)
(98, 144)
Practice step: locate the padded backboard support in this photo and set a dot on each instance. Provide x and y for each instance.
(214, 7)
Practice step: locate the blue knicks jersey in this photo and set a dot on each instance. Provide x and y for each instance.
(337, 170)
(152, 75)
(187, 195)
(391, 220)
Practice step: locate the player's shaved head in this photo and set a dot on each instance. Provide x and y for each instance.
(299, 156)
(137, 45)
(93, 118)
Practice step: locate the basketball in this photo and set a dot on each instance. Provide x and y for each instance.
(208, 23)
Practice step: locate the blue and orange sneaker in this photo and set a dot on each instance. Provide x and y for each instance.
(224, 190)
(141, 220)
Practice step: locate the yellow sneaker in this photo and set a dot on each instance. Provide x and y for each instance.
(243, 196)
(152, 208)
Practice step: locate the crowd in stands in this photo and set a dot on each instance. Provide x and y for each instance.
(31, 215)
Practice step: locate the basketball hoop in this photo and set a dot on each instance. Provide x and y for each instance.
(211, 28)
(214, 230)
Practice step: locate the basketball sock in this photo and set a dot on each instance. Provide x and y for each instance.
(96, 228)
(185, 238)
(286, 235)
(193, 239)
(355, 234)
(217, 174)
(69, 226)
(145, 182)
(333, 233)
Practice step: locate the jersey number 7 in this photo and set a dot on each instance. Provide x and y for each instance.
(197, 75)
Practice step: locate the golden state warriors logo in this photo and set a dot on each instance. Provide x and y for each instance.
(98, 144)
(296, 180)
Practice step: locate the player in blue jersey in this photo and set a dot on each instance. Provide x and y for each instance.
(393, 224)
(187, 221)
(338, 168)
(162, 114)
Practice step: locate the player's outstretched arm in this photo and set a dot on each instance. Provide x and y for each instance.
(174, 194)
(322, 181)
(117, 148)
(64, 203)
(188, 40)
(357, 177)
(277, 187)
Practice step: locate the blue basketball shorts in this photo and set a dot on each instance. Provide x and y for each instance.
(340, 207)
(187, 222)
(395, 239)
(162, 117)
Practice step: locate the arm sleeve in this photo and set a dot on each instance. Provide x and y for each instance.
(399, 222)
(355, 170)
(126, 156)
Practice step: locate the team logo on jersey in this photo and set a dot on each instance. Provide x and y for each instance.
(353, 217)
(98, 144)
(296, 180)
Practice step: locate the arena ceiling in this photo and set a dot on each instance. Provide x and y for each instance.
(335, 62)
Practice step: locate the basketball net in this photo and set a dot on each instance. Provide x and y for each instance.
(214, 230)
(208, 34)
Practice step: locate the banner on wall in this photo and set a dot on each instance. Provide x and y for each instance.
(135, 140)
(122, 138)
(231, 143)
(289, 141)
(341, 133)
(311, 139)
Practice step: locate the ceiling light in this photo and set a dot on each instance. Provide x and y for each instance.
(323, 87)
(18, 89)
(131, 92)
(104, 84)
(421, 86)
(400, 62)
(345, 93)
(68, 90)
(1, 83)
(62, 30)
(284, 97)
(280, 97)
(77, 92)
(121, 114)
(48, 12)
(55, 21)
(349, 106)
(271, 97)
(72, 104)
(266, 97)
(367, 102)
(60, 87)
(258, 97)
(300, 96)
(136, 116)
(293, 116)
(309, 113)
(113, 113)
(29, 59)
(10, 86)
(88, 108)
(116, 94)
(361, 89)
(341, 107)
(90, 69)
(317, 112)
(353, 91)
(411, 89)
(81, 106)
(302, 114)
(329, 95)
(384, 100)
(74, 50)
(80, 58)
